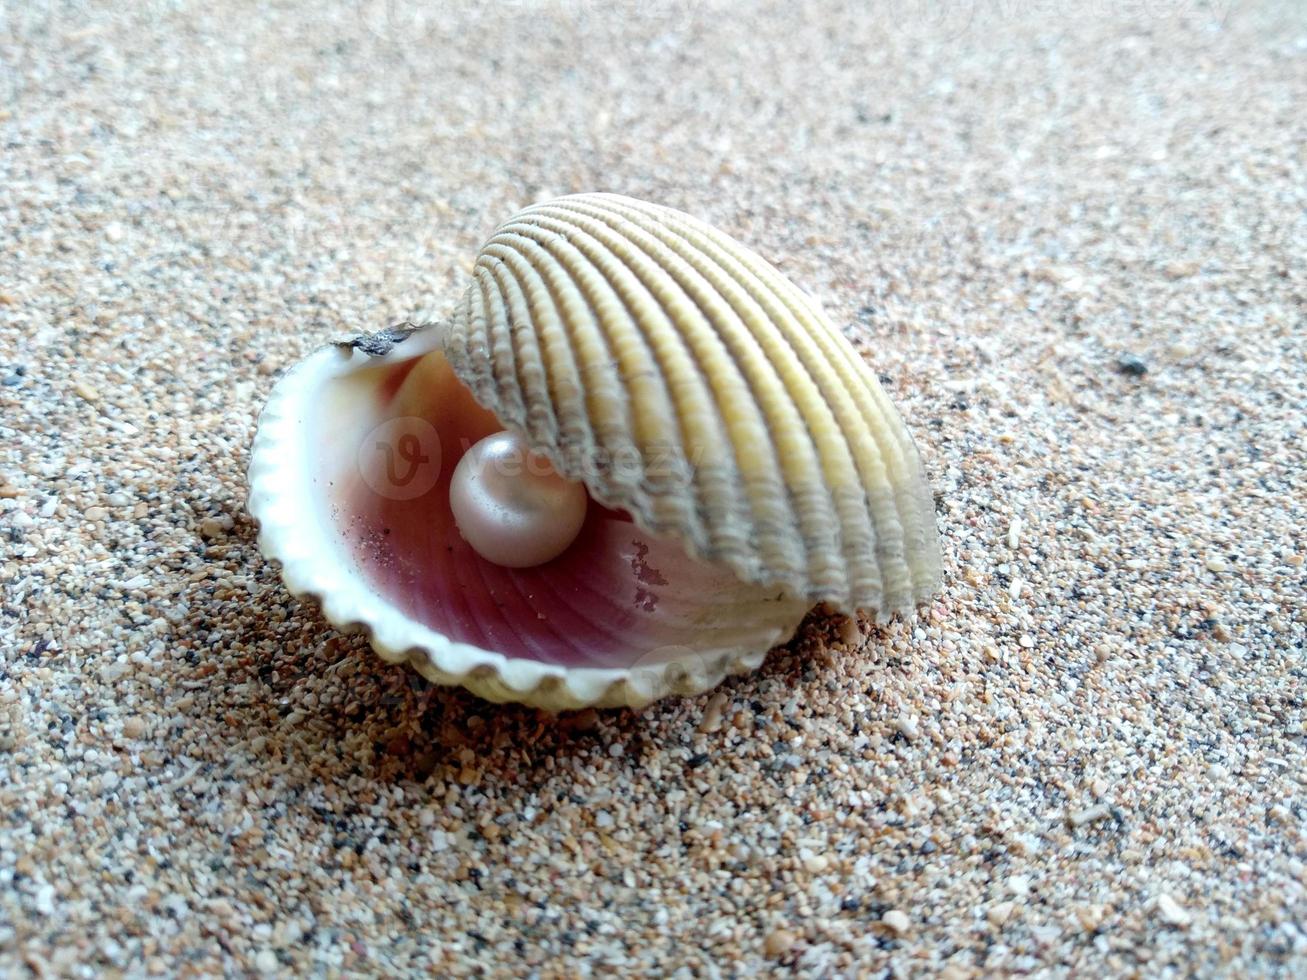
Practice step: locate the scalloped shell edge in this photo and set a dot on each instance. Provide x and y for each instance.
(294, 538)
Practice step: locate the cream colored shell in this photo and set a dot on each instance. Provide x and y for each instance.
(684, 379)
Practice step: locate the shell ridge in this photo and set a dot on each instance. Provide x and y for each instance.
(796, 443)
(885, 427)
(540, 420)
(492, 372)
(577, 320)
(455, 342)
(582, 325)
(651, 385)
(650, 326)
(719, 377)
(877, 532)
(845, 468)
(551, 347)
(893, 524)
(494, 378)
(922, 534)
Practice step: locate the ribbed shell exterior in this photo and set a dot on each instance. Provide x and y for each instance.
(684, 379)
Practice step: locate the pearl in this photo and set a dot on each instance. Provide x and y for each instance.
(511, 506)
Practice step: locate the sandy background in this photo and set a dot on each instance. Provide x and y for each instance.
(1087, 757)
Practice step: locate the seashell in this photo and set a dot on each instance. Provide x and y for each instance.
(740, 464)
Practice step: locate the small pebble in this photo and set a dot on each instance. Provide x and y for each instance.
(1090, 917)
(44, 902)
(266, 961)
(1091, 814)
(778, 943)
(816, 863)
(211, 527)
(1171, 912)
(999, 913)
(85, 391)
(907, 726)
(585, 720)
(712, 713)
(1132, 365)
(897, 921)
(850, 634)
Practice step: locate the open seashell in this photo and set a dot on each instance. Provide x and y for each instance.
(740, 464)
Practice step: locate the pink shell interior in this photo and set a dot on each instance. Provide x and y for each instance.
(392, 433)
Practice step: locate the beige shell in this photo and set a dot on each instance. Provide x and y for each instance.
(742, 460)
(685, 380)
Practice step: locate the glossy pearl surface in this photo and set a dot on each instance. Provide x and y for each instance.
(511, 506)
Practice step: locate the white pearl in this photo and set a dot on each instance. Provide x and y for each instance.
(511, 506)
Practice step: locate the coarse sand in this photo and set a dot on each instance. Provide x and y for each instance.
(1071, 239)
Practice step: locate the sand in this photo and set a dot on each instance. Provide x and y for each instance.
(1070, 238)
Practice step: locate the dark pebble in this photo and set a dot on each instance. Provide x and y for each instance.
(1130, 364)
